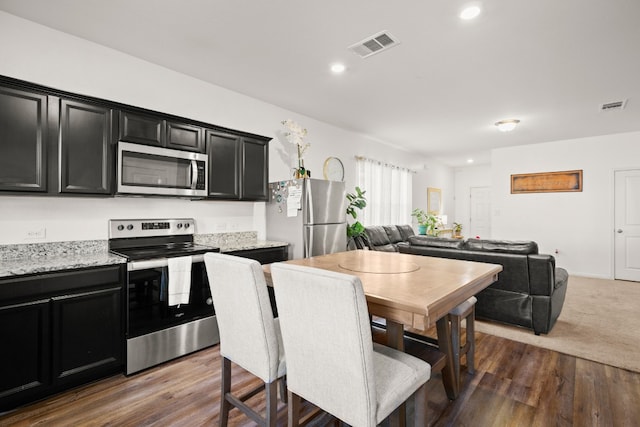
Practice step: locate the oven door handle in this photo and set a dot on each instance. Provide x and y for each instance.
(157, 263)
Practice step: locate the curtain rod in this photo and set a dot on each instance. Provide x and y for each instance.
(383, 163)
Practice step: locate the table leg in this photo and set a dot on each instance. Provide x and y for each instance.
(395, 335)
(451, 386)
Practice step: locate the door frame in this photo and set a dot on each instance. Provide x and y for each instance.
(613, 217)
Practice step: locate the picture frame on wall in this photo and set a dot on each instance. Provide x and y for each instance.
(434, 200)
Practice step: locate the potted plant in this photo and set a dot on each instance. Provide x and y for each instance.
(457, 229)
(426, 221)
(355, 231)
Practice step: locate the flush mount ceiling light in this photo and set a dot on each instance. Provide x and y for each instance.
(507, 125)
(470, 13)
(338, 68)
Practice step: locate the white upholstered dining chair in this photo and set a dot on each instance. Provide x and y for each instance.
(331, 359)
(249, 334)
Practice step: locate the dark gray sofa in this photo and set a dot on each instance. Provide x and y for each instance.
(385, 237)
(530, 290)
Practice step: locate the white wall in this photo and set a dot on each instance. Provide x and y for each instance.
(44, 56)
(578, 225)
(434, 174)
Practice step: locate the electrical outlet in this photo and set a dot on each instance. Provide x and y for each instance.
(221, 226)
(36, 234)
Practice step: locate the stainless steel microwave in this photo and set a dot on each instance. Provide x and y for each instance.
(144, 169)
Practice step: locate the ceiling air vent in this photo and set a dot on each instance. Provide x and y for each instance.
(374, 44)
(610, 106)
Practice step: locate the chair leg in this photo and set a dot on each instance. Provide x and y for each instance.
(471, 341)
(283, 389)
(271, 390)
(420, 407)
(225, 405)
(455, 343)
(293, 410)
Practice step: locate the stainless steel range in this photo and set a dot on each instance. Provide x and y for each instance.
(157, 332)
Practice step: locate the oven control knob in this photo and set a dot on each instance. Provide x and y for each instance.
(130, 227)
(187, 225)
(120, 227)
(179, 226)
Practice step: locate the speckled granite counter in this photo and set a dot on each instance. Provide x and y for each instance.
(228, 242)
(34, 258)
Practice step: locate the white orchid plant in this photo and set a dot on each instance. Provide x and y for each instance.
(295, 134)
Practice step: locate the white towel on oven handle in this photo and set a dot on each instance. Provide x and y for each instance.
(179, 280)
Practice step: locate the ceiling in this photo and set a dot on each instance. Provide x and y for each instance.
(548, 63)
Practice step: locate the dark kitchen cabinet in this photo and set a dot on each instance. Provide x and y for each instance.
(155, 130)
(61, 330)
(23, 140)
(224, 165)
(255, 166)
(181, 136)
(238, 166)
(87, 148)
(141, 128)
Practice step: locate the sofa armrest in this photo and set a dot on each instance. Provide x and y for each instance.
(542, 270)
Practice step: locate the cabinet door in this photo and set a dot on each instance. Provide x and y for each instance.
(181, 136)
(87, 335)
(224, 165)
(141, 129)
(255, 161)
(23, 136)
(86, 148)
(24, 359)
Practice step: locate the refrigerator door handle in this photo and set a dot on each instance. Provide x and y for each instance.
(308, 239)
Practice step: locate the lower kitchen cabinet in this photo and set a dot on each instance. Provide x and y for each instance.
(59, 330)
(266, 256)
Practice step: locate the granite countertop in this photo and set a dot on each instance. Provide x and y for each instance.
(34, 258)
(229, 242)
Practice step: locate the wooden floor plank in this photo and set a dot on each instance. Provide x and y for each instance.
(515, 385)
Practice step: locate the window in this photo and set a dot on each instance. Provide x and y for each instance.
(388, 192)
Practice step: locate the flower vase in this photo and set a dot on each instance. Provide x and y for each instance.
(301, 172)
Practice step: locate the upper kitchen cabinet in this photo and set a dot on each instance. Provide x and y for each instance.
(255, 169)
(238, 166)
(86, 148)
(141, 128)
(150, 129)
(182, 136)
(224, 165)
(23, 140)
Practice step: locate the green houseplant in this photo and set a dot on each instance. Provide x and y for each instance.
(426, 221)
(457, 229)
(357, 201)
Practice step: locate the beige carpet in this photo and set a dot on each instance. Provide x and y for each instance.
(600, 321)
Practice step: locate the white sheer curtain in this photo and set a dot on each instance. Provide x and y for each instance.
(388, 192)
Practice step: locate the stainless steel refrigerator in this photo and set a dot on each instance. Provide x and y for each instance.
(309, 214)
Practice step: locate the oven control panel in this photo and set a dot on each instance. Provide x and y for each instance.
(125, 228)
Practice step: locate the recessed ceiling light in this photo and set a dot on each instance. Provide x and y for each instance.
(338, 68)
(470, 12)
(469, 160)
(507, 125)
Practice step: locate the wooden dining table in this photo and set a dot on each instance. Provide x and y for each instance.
(411, 291)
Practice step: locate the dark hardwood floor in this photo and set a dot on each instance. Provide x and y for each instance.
(515, 385)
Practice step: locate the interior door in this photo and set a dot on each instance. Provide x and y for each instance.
(480, 220)
(627, 225)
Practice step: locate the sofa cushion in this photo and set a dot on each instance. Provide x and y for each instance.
(436, 242)
(377, 236)
(502, 246)
(406, 231)
(393, 233)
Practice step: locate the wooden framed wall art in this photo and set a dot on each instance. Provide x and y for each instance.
(546, 182)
